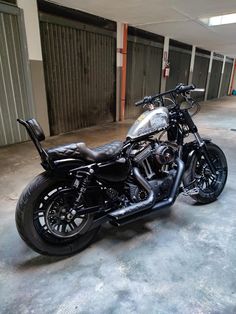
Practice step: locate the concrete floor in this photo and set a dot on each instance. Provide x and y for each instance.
(181, 260)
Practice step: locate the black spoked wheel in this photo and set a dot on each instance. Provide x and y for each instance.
(47, 221)
(199, 175)
(54, 217)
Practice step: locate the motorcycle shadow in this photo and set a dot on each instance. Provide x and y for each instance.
(39, 261)
(108, 232)
(132, 229)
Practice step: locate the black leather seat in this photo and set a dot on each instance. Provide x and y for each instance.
(80, 150)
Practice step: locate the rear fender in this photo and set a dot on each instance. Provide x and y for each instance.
(63, 167)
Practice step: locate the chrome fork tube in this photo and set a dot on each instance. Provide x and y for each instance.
(198, 138)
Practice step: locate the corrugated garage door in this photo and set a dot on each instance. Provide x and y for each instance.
(215, 76)
(179, 58)
(200, 71)
(15, 100)
(144, 60)
(226, 77)
(79, 63)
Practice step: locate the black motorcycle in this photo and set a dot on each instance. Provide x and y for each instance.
(61, 210)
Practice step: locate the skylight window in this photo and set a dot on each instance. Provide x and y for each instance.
(220, 19)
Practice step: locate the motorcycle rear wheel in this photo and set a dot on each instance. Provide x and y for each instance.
(198, 175)
(38, 213)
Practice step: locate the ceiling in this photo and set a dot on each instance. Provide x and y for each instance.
(177, 19)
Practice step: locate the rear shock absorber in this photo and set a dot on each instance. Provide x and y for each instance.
(81, 182)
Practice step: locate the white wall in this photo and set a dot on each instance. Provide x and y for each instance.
(31, 21)
(30, 11)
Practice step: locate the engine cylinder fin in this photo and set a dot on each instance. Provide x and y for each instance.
(144, 154)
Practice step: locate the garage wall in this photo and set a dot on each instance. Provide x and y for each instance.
(200, 71)
(226, 77)
(144, 61)
(16, 96)
(80, 71)
(79, 55)
(215, 76)
(179, 58)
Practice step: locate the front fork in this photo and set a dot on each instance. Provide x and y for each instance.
(200, 141)
(204, 151)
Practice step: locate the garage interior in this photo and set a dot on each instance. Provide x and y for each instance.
(61, 62)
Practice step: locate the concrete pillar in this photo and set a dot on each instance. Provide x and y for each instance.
(232, 84)
(221, 78)
(165, 58)
(119, 60)
(209, 75)
(121, 64)
(190, 78)
(30, 13)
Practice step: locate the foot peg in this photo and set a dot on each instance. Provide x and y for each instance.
(189, 192)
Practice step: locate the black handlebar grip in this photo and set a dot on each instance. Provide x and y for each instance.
(139, 103)
(191, 86)
(145, 100)
(185, 88)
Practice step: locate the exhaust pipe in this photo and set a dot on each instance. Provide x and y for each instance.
(135, 211)
(137, 207)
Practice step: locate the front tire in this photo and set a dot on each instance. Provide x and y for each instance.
(32, 225)
(198, 175)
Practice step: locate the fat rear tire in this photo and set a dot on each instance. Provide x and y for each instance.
(206, 196)
(26, 228)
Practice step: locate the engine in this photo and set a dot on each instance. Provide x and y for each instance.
(164, 154)
(156, 164)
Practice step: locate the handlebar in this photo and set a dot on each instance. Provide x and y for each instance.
(145, 100)
(179, 89)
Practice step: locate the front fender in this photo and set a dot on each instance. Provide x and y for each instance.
(190, 149)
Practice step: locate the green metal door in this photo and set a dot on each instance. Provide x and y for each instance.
(144, 61)
(215, 76)
(200, 71)
(80, 70)
(226, 77)
(179, 58)
(15, 91)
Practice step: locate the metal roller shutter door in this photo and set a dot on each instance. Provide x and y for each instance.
(179, 59)
(144, 61)
(16, 94)
(226, 78)
(200, 72)
(215, 78)
(80, 71)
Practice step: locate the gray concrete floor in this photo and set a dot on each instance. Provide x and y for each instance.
(181, 260)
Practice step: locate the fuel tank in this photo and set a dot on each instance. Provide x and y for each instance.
(149, 122)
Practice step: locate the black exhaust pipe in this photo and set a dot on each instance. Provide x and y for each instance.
(135, 211)
(137, 207)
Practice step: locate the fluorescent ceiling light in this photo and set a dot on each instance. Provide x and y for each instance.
(220, 19)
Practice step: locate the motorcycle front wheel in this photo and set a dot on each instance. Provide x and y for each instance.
(45, 219)
(199, 175)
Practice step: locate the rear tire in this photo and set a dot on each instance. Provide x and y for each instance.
(199, 175)
(45, 242)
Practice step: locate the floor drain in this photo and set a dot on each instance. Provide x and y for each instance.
(233, 130)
